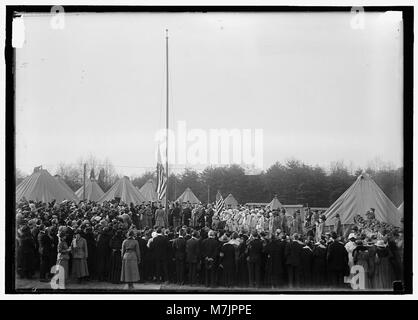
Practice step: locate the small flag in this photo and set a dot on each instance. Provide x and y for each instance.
(161, 179)
(220, 203)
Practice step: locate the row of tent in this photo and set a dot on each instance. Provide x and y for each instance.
(360, 197)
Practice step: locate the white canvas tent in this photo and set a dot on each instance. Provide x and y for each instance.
(400, 209)
(363, 195)
(148, 190)
(63, 183)
(41, 186)
(93, 191)
(230, 201)
(125, 191)
(188, 196)
(275, 204)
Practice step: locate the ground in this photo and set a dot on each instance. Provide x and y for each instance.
(35, 286)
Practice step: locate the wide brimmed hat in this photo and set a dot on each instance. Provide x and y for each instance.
(380, 244)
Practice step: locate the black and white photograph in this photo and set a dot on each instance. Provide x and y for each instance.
(209, 150)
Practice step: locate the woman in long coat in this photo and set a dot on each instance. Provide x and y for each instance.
(26, 253)
(361, 258)
(63, 254)
(130, 259)
(115, 258)
(383, 273)
(80, 254)
(160, 218)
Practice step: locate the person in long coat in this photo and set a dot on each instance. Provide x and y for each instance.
(91, 247)
(45, 248)
(361, 258)
(319, 264)
(160, 245)
(306, 265)
(227, 261)
(337, 262)
(293, 260)
(161, 220)
(26, 253)
(276, 255)
(210, 251)
(103, 254)
(63, 254)
(192, 256)
(179, 246)
(131, 257)
(383, 274)
(116, 258)
(80, 253)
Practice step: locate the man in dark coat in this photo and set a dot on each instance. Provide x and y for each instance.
(208, 216)
(210, 252)
(179, 246)
(275, 251)
(337, 262)
(145, 260)
(306, 265)
(187, 215)
(176, 213)
(91, 249)
(45, 248)
(255, 249)
(160, 246)
(103, 253)
(293, 261)
(228, 253)
(192, 256)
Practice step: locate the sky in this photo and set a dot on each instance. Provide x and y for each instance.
(321, 89)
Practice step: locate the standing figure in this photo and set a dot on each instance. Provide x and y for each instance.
(131, 257)
(63, 255)
(179, 246)
(80, 255)
(115, 258)
(161, 220)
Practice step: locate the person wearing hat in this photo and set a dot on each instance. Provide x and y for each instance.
(361, 257)
(79, 252)
(103, 253)
(44, 249)
(383, 273)
(131, 257)
(63, 254)
(337, 262)
(350, 246)
(115, 257)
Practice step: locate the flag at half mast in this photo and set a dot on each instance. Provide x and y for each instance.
(220, 203)
(161, 178)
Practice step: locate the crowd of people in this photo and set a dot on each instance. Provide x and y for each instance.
(196, 245)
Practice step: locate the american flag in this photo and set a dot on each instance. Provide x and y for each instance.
(161, 179)
(220, 203)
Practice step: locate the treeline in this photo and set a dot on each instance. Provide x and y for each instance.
(294, 182)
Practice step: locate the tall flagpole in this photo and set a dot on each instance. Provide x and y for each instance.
(166, 122)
